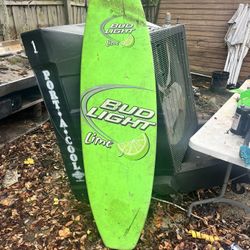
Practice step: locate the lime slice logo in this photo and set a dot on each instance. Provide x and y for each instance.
(135, 149)
(128, 42)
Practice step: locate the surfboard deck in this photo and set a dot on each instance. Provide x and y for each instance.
(118, 119)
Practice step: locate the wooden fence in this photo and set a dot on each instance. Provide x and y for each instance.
(19, 16)
(151, 9)
(206, 26)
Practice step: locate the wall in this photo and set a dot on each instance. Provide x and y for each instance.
(28, 15)
(206, 27)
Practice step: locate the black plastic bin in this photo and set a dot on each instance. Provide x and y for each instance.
(219, 81)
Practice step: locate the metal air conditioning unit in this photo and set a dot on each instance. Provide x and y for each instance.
(177, 119)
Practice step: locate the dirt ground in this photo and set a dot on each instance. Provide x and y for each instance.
(207, 101)
(14, 67)
(38, 210)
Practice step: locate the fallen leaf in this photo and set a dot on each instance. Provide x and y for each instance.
(166, 245)
(217, 216)
(209, 247)
(69, 223)
(10, 178)
(78, 218)
(7, 202)
(65, 232)
(33, 198)
(180, 246)
(214, 230)
(178, 236)
(83, 238)
(56, 201)
(65, 213)
(45, 125)
(29, 161)
(28, 185)
(14, 213)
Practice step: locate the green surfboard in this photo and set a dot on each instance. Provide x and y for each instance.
(118, 119)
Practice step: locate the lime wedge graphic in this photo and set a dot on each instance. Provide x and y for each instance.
(129, 41)
(135, 149)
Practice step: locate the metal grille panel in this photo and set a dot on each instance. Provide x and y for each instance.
(176, 113)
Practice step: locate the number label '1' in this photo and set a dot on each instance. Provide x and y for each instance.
(34, 47)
